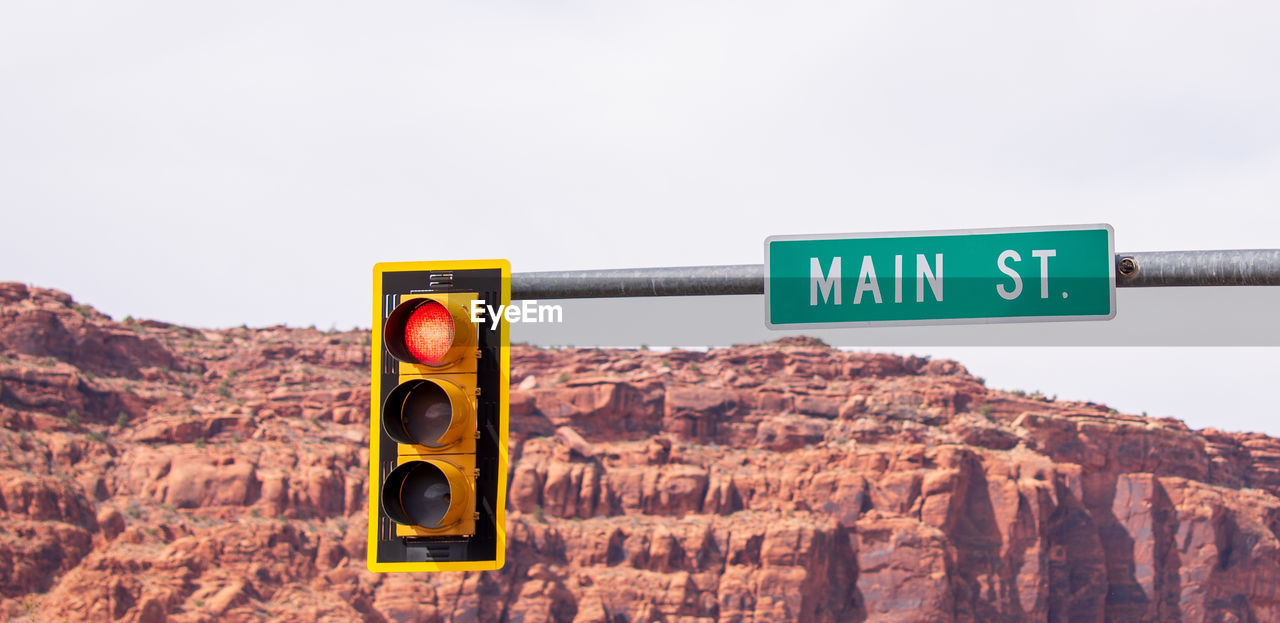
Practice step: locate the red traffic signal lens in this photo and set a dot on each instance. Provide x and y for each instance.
(428, 333)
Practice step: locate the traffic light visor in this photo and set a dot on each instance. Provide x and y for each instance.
(427, 412)
(429, 332)
(429, 494)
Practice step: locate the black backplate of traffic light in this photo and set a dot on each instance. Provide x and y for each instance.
(483, 550)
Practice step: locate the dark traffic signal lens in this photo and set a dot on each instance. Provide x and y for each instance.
(427, 412)
(421, 493)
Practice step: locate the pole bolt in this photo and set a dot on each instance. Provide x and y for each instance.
(1128, 266)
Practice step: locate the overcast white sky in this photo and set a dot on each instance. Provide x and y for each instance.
(248, 162)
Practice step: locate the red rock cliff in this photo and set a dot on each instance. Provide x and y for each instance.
(151, 472)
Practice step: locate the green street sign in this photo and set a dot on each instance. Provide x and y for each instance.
(1024, 274)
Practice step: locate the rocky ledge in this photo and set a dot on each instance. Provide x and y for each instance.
(152, 472)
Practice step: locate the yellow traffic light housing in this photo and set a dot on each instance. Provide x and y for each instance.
(438, 432)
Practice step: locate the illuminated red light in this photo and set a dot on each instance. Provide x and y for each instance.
(428, 334)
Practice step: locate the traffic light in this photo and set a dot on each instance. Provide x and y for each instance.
(438, 430)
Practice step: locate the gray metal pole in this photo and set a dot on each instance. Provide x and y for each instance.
(669, 281)
(1246, 267)
(1259, 267)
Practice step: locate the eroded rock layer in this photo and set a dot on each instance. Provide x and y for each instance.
(151, 472)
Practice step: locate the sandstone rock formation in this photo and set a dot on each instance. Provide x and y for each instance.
(151, 472)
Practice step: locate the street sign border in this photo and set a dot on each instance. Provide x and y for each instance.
(1111, 251)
